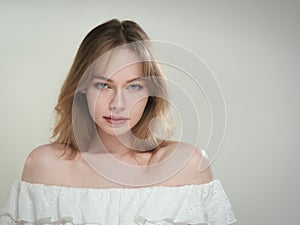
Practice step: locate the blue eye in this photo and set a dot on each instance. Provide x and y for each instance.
(101, 85)
(135, 87)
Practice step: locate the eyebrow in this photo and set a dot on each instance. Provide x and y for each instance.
(111, 81)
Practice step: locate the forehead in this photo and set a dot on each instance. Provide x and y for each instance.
(121, 63)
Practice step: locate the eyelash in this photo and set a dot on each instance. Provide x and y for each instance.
(97, 85)
(139, 87)
(133, 87)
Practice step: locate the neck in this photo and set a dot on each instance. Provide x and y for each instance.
(116, 145)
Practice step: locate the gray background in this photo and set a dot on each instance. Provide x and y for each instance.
(252, 46)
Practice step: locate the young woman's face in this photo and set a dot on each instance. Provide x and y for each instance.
(117, 97)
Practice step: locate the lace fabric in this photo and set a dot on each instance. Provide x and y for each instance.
(33, 204)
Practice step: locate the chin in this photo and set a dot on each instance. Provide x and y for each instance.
(114, 132)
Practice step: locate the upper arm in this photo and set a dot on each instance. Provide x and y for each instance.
(39, 165)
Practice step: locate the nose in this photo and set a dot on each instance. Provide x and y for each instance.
(118, 101)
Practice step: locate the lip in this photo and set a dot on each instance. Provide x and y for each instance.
(115, 119)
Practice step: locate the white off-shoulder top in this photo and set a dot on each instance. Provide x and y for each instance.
(39, 204)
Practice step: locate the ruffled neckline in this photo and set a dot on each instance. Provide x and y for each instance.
(34, 203)
(55, 186)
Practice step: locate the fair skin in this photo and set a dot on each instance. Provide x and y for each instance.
(116, 100)
(45, 166)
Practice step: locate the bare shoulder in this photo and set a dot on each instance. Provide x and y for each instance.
(42, 164)
(197, 168)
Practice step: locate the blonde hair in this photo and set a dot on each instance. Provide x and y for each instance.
(98, 41)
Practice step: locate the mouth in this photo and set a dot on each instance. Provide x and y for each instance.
(115, 120)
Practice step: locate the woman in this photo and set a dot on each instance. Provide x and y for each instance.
(111, 161)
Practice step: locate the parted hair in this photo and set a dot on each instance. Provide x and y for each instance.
(105, 37)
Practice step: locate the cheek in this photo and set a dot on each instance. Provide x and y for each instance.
(95, 103)
(138, 108)
(91, 100)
